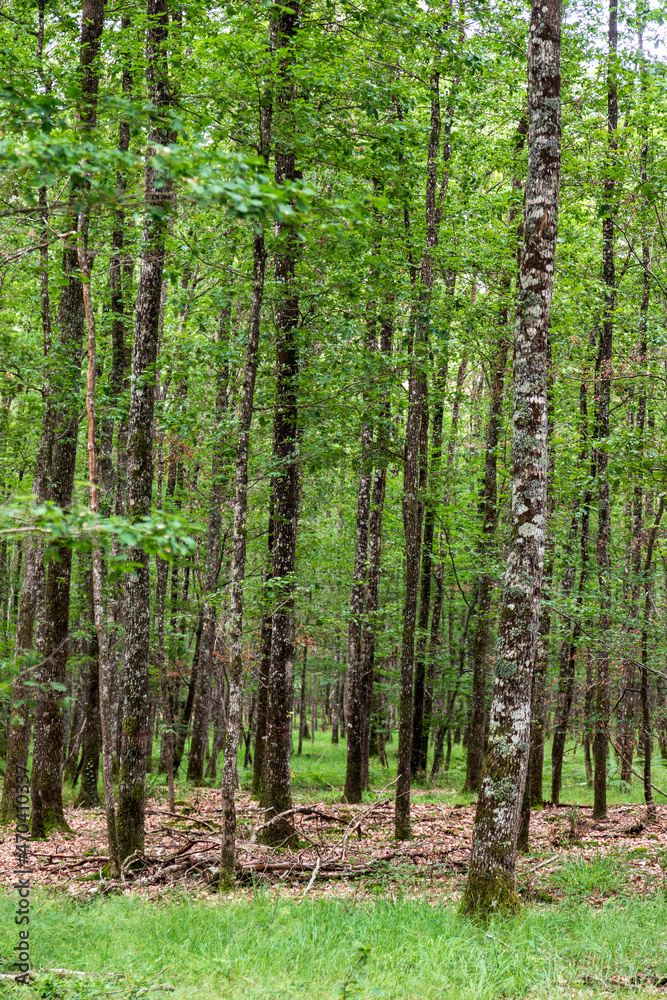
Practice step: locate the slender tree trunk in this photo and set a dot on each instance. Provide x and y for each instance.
(603, 393)
(199, 741)
(302, 701)
(375, 554)
(354, 712)
(184, 721)
(99, 723)
(488, 513)
(228, 845)
(132, 783)
(19, 728)
(414, 485)
(488, 510)
(278, 791)
(258, 767)
(569, 645)
(33, 585)
(63, 423)
(334, 713)
(433, 213)
(491, 878)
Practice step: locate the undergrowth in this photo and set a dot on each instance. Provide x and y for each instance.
(330, 949)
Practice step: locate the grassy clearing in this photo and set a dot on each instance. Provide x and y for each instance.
(320, 772)
(335, 949)
(600, 939)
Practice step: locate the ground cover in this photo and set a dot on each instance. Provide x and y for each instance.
(350, 912)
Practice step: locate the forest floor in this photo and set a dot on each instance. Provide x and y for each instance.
(595, 922)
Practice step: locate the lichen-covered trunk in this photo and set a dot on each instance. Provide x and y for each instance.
(603, 395)
(491, 879)
(33, 583)
(132, 778)
(488, 507)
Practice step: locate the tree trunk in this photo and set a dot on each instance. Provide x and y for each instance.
(414, 485)
(199, 742)
(491, 880)
(334, 713)
(258, 767)
(62, 419)
(374, 558)
(603, 393)
(488, 511)
(228, 845)
(354, 714)
(278, 791)
(19, 728)
(302, 701)
(132, 780)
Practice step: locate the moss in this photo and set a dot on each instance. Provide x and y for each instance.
(486, 896)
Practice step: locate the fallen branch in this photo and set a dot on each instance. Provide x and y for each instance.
(543, 864)
(297, 811)
(312, 879)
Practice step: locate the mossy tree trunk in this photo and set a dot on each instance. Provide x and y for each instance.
(603, 394)
(491, 879)
(132, 779)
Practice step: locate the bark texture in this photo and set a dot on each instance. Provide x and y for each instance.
(278, 789)
(62, 419)
(132, 778)
(491, 879)
(603, 394)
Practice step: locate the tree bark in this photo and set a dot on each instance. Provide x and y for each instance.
(132, 783)
(228, 845)
(99, 723)
(603, 394)
(278, 791)
(63, 424)
(199, 741)
(354, 714)
(491, 879)
(488, 513)
(375, 552)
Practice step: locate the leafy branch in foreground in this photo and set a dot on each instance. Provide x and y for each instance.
(165, 536)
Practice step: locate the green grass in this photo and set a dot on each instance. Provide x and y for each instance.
(603, 875)
(323, 950)
(319, 774)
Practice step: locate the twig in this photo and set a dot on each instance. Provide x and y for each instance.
(312, 879)
(543, 864)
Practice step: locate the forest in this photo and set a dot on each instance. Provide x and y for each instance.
(333, 572)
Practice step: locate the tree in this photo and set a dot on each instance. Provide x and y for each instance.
(491, 878)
